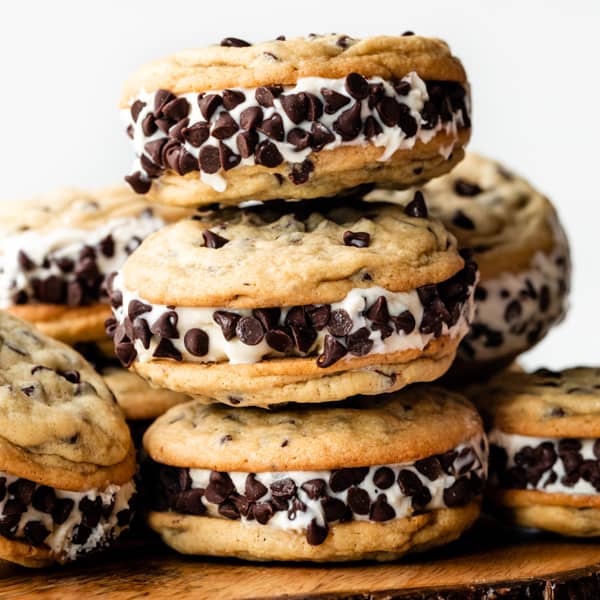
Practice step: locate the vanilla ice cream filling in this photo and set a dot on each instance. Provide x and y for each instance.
(552, 465)
(66, 539)
(390, 138)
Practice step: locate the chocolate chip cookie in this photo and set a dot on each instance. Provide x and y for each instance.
(298, 118)
(56, 250)
(294, 302)
(66, 457)
(372, 478)
(522, 253)
(544, 431)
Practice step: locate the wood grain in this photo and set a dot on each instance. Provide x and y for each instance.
(488, 562)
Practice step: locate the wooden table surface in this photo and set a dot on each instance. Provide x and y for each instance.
(489, 562)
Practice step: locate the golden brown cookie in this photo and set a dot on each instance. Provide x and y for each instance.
(294, 302)
(66, 457)
(544, 434)
(365, 478)
(520, 248)
(57, 249)
(301, 118)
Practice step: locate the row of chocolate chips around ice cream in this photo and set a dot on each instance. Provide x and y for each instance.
(442, 305)
(74, 282)
(21, 497)
(171, 489)
(169, 118)
(534, 463)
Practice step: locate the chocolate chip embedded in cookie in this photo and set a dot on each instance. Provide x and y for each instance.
(399, 473)
(295, 303)
(545, 447)
(66, 457)
(56, 251)
(522, 252)
(298, 118)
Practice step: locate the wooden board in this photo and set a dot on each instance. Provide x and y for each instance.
(490, 562)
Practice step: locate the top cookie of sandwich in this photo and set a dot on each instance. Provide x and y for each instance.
(498, 214)
(60, 423)
(297, 118)
(544, 403)
(285, 254)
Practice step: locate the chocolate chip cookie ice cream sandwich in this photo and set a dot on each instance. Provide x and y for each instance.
(294, 302)
(55, 253)
(522, 253)
(66, 458)
(544, 432)
(359, 480)
(298, 118)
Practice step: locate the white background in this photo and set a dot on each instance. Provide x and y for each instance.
(533, 66)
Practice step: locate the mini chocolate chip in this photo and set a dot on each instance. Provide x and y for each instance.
(304, 337)
(231, 98)
(314, 107)
(189, 502)
(164, 124)
(65, 264)
(461, 220)
(269, 317)
(421, 499)
(228, 158)
(107, 246)
(149, 126)
(35, 532)
(251, 118)
(301, 172)
(227, 321)
(208, 103)
(209, 159)
(359, 501)
(513, 311)
(124, 517)
(372, 128)
(283, 488)
(195, 135)
(314, 488)
(224, 126)
(378, 311)
(91, 511)
(389, 111)
(62, 509)
(175, 132)
(409, 482)
(138, 182)
(315, 533)
(213, 240)
(249, 330)
(273, 127)
(246, 143)
(28, 390)
(136, 109)
(332, 352)
(333, 508)
(319, 315)
(458, 494)
(407, 122)
(186, 163)
(299, 138)
(231, 42)
(25, 263)
(402, 87)
(71, 376)
(358, 239)
(321, 136)
(135, 308)
(219, 488)
(544, 298)
(196, 342)
(340, 323)
(263, 511)
(295, 106)
(348, 125)
(166, 325)
(404, 322)
(254, 489)
(430, 467)
(417, 207)
(383, 478)
(465, 188)
(22, 490)
(357, 86)
(381, 510)
(341, 479)
(267, 155)
(228, 510)
(359, 342)
(279, 340)
(265, 95)
(166, 349)
(176, 109)
(333, 100)
(81, 534)
(141, 331)
(161, 98)
(154, 150)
